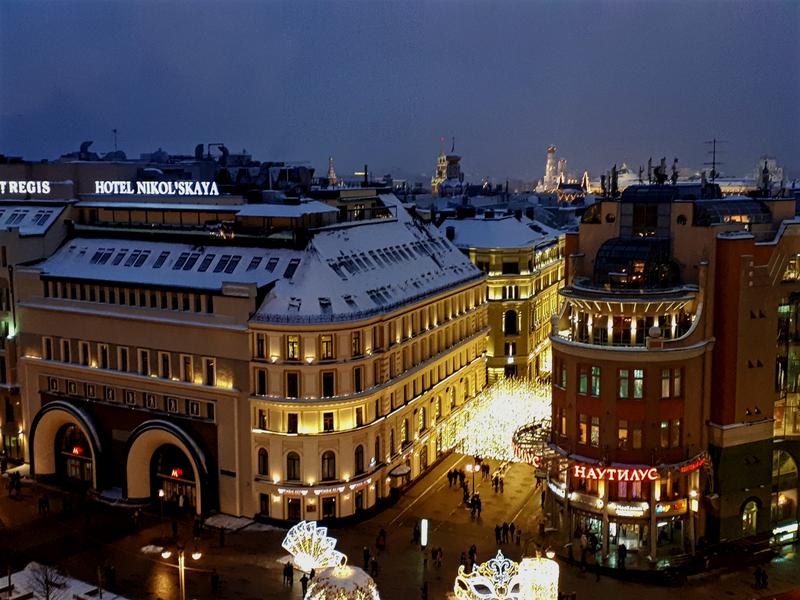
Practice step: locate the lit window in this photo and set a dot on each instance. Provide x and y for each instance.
(210, 371)
(665, 434)
(292, 347)
(595, 433)
(583, 429)
(327, 421)
(623, 383)
(583, 381)
(595, 381)
(665, 380)
(676, 383)
(675, 438)
(326, 347)
(638, 383)
(622, 435)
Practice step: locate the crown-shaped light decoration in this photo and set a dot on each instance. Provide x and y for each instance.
(311, 547)
(342, 583)
(496, 579)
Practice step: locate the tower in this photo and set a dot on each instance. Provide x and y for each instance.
(550, 180)
(332, 179)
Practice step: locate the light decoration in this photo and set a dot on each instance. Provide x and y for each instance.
(485, 426)
(311, 548)
(342, 582)
(496, 579)
(538, 579)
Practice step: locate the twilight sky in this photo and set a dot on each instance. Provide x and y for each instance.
(381, 82)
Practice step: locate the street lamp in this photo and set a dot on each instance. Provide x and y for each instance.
(471, 469)
(161, 501)
(196, 555)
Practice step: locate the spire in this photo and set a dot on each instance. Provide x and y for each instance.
(332, 179)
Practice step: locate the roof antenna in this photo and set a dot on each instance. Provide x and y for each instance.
(713, 152)
(453, 147)
(115, 139)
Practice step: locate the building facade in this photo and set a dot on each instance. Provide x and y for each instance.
(525, 270)
(669, 387)
(289, 361)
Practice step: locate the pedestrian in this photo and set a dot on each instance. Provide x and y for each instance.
(473, 554)
(584, 552)
(622, 553)
(494, 483)
(511, 529)
(424, 590)
(181, 502)
(291, 574)
(381, 540)
(373, 567)
(463, 559)
(415, 534)
(497, 534)
(312, 574)
(214, 582)
(543, 494)
(505, 533)
(570, 555)
(519, 535)
(501, 484)
(286, 574)
(366, 554)
(304, 584)
(439, 554)
(757, 577)
(478, 500)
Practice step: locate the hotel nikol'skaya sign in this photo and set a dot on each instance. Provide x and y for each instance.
(141, 188)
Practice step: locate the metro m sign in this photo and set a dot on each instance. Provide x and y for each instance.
(614, 473)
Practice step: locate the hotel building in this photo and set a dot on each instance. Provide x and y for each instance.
(675, 414)
(288, 361)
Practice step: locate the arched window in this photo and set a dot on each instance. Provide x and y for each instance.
(293, 466)
(263, 462)
(391, 442)
(750, 518)
(359, 459)
(423, 419)
(510, 322)
(328, 465)
(404, 431)
(378, 449)
(423, 458)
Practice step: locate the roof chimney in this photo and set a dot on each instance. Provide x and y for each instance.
(450, 232)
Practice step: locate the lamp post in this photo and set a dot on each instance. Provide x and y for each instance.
(693, 508)
(161, 501)
(181, 552)
(471, 469)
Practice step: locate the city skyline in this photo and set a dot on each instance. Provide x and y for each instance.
(383, 84)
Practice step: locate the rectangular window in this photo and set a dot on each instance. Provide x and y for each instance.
(622, 435)
(261, 382)
(583, 380)
(638, 384)
(326, 347)
(122, 359)
(358, 379)
(675, 438)
(562, 419)
(102, 356)
(676, 383)
(292, 385)
(665, 434)
(327, 384)
(595, 434)
(164, 367)
(665, 381)
(262, 419)
(563, 375)
(210, 371)
(292, 347)
(356, 346)
(291, 423)
(47, 348)
(261, 345)
(636, 437)
(624, 383)
(84, 356)
(359, 416)
(187, 368)
(595, 381)
(327, 421)
(65, 351)
(144, 362)
(583, 429)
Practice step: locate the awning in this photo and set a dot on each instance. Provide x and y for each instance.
(400, 471)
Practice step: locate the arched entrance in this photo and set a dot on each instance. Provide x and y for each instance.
(74, 458)
(64, 443)
(172, 472)
(161, 456)
(784, 486)
(750, 517)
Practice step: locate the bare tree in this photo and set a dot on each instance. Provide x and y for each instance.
(47, 583)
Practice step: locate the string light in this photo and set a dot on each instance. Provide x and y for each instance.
(342, 583)
(311, 547)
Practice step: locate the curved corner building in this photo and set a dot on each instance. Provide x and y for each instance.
(666, 371)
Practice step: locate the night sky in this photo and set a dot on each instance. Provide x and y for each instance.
(382, 82)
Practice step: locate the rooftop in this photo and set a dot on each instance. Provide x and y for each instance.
(28, 220)
(504, 232)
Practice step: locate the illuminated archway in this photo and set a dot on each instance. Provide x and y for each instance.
(784, 486)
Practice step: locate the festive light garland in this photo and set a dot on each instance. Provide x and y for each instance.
(342, 583)
(501, 578)
(486, 426)
(311, 547)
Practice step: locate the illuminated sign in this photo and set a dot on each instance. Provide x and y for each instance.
(178, 473)
(557, 489)
(291, 492)
(423, 532)
(678, 506)
(633, 509)
(24, 187)
(157, 188)
(360, 484)
(614, 473)
(693, 465)
(77, 450)
(336, 490)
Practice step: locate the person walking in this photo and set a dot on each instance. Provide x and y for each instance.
(478, 502)
(622, 553)
(497, 532)
(505, 533)
(519, 535)
(286, 574)
(501, 484)
(373, 567)
(511, 529)
(304, 584)
(366, 554)
(439, 554)
(381, 542)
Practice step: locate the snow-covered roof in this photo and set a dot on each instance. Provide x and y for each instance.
(285, 210)
(354, 271)
(165, 264)
(29, 220)
(156, 206)
(505, 232)
(32, 580)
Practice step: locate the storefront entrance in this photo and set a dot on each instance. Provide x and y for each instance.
(171, 471)
(294, 508)
(630, 534)
(74, 456)
(329, 507)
